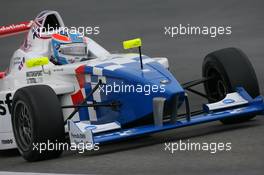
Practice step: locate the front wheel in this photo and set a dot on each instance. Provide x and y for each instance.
(37, 120)
(229, 68)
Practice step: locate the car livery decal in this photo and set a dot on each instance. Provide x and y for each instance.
(85, 86)
(88, 76)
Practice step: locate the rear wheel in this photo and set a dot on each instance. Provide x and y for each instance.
(37, 119)
(229, 68)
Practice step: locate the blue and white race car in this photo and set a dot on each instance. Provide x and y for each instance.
(62, 84)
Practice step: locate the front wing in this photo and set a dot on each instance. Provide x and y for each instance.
(242, 105)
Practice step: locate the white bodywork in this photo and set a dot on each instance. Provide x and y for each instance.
(62, 79)
(231, 100)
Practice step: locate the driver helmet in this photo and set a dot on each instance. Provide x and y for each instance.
(68, 48)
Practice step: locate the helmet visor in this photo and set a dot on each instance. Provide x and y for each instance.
(73, 49)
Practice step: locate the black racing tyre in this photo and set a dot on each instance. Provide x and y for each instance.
(230, 68)
(37, 119)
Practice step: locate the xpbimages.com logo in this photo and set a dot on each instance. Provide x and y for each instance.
(183, 30)
(211, 147)
(82, 31)
(146, 89)
(59, 146)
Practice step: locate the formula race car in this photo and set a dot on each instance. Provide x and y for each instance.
(62, 86)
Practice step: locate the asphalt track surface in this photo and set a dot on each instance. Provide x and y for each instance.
(121, 20)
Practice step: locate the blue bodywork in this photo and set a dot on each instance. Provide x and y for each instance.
(136, 106)
(254, 107)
